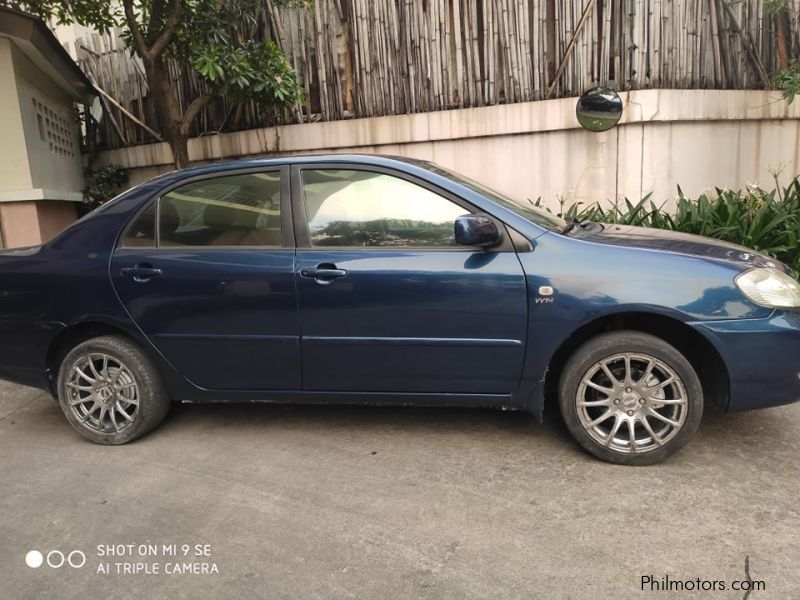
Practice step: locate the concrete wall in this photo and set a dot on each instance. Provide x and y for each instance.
(41, 173)
(697, 139)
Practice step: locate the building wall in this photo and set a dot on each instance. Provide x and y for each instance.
(20, 224)
(695, 139)
(41, 173)
(51, 132)
(54, 216)
(28, 223)
(14, 169)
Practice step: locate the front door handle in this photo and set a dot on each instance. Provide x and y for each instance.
(141, 273)
(323, 274)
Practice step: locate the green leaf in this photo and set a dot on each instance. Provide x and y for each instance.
(769, 222)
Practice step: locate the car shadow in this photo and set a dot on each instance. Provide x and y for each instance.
(716, 422)
(363, 417)
(720, 434)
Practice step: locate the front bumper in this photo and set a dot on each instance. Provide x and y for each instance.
(762, 357)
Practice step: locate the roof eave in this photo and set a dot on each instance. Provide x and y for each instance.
(31, 35)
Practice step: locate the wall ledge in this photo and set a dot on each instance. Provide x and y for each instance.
(39, 194)
(662, 105)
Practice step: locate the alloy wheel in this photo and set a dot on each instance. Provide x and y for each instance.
(103, 394)
(631, 402)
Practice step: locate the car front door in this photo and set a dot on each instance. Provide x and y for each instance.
(207, 273)
(388, 301)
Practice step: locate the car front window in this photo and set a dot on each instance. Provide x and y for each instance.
(348, 207)
(524, 209)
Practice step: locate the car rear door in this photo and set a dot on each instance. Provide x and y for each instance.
(207, 273)
(388, 301)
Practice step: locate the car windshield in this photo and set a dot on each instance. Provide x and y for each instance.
(525, 209)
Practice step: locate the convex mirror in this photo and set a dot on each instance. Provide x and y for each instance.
(599, 109)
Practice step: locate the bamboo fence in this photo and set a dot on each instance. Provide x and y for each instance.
(362, 58)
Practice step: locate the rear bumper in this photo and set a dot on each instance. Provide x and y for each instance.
(762, 357)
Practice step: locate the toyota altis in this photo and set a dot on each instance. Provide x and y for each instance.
(366, 279)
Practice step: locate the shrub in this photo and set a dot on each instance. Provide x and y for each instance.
(102, 185)
(768, 222)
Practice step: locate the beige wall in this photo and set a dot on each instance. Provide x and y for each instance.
(54, 149)
(697, 139)
(14, 171)
(31, 223)
(54, 216)
(20, 224)
(41, 172)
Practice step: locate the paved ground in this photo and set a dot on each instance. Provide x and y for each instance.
(329, 502)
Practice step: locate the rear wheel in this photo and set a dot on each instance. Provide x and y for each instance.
(630, 398)
(110, 390)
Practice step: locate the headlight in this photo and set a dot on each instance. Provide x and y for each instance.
(769, 287)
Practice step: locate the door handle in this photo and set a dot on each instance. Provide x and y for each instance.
(141, 273)
(323, 274)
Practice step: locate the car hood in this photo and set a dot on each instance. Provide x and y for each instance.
(679, 243)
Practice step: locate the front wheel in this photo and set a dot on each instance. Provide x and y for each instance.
(110, 391)
(630, 398)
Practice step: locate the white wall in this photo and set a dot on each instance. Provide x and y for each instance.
(697, 139)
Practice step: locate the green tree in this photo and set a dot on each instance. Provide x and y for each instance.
(204, 35)
(787, 76)
(788, 80)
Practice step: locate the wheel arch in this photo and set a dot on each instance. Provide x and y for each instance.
(71, 336)
(699, 351)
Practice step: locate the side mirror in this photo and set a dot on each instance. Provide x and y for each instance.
(476, 230)
(599, 109)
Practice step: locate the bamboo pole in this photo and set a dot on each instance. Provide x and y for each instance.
(748, 46)
(589, 6)
(122, 109)
(372, 57)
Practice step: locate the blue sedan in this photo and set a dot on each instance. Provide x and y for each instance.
(376, 280)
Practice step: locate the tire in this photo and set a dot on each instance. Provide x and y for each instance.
(659, 380)
(126, 400)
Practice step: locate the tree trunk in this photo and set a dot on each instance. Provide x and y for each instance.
(165, 102)
(237, 116)
(781, 20)
(179, 144)
(168, 110)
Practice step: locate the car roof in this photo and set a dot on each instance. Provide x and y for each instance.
(131, 200)
(384, 160)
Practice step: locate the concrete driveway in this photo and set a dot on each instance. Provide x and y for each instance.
(332, 502)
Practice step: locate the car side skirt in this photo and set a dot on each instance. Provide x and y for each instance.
(500, 401)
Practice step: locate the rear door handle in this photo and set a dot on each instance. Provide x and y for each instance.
(141, 273)
(323, 274)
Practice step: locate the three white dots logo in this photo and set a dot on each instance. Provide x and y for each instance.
(55, 559)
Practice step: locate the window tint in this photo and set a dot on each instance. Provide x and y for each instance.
(362, 208)
(238, 210)
(142, 233)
